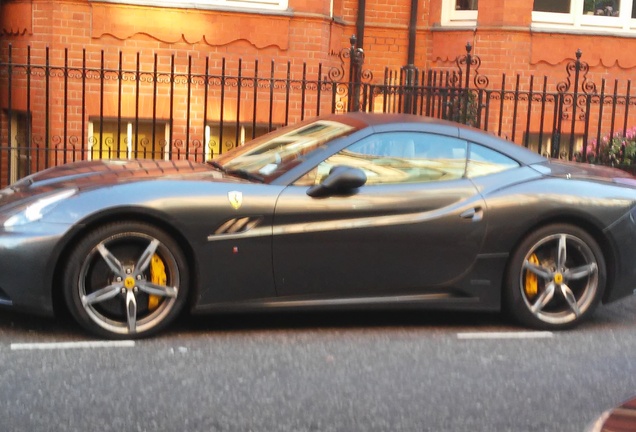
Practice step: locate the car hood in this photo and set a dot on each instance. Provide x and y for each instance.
(576, 170)
(95, 173)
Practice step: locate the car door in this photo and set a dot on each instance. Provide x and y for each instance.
(416, 223)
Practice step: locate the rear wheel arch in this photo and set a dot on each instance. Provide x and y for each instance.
(589, 227)
(585, 247)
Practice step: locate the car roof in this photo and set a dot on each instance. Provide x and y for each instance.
(380, 121)
(376, 119)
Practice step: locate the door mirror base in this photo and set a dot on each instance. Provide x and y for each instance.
(342, 179)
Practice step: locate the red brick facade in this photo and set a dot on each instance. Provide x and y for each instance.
(308, 31)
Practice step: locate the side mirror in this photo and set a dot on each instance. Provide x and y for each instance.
(341, 179)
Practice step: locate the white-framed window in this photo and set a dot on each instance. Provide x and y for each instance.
(595, 15)
(209, 4)
(459, 12)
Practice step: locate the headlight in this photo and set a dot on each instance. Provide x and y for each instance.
(35, 210)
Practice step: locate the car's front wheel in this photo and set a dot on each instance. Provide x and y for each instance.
(126, 280)
(556, 277)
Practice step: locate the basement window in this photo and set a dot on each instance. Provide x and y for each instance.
(20, 147)
(127, 139)
(232, 136)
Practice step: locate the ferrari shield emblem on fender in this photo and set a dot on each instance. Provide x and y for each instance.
(236, 199)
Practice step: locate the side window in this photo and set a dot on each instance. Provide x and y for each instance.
(399, 157)
(483, 161)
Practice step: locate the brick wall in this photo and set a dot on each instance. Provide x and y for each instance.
(502, 37)
(304, 36)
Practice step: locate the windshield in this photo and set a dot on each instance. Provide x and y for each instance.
(273, 154)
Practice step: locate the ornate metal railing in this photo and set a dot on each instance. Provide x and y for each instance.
(85, 105)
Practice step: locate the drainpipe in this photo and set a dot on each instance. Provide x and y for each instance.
(412, 34)
(362, 7)
(410, 77)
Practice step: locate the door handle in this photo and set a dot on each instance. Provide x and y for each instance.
(476, 214)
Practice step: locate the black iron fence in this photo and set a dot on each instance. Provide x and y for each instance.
(573, 118)
(63, 106)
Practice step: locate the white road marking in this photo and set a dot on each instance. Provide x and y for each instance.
(72, 345)
(506, 335)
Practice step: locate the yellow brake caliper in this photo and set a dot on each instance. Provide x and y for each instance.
(532, 284)
(158, 277)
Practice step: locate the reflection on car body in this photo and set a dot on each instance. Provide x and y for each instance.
(352, 210)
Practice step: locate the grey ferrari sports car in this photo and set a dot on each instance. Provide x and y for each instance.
(343, 211)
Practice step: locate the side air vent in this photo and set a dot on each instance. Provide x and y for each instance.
(238, 225)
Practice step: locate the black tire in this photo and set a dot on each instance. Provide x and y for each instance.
(136, 293)
(555, 278)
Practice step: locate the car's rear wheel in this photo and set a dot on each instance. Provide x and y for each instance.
(126, 280)
(556, 277)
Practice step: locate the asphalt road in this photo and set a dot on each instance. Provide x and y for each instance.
(372, 371)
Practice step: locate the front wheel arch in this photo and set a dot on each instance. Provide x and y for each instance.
(57, 292)
(131, 237)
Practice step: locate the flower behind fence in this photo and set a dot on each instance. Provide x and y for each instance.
(617, 150)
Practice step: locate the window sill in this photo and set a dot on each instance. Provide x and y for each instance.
(255, 7)
(582, 30)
